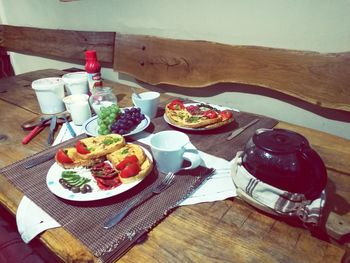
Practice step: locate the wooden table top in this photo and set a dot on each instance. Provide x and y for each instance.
(222, 231)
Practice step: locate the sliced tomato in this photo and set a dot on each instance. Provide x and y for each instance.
(107, 184)
(81, 147)
(62, 157)
(211, 114)
(130, 170)
(176, 105)
(226, 115)
(127, 160)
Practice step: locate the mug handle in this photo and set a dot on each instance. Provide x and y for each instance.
(193, 157)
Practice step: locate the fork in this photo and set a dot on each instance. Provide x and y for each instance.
(164, 184)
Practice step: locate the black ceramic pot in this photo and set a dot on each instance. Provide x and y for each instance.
(284, 159)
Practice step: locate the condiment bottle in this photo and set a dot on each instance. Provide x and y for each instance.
(93, 69)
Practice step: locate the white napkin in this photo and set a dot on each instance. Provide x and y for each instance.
(218, 187)
(32, 220)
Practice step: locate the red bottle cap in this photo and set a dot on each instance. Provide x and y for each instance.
(90, 55)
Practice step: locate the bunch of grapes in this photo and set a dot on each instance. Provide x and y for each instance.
(106, 118)
(127, 120)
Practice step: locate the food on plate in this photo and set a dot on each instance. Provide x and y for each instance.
(129, 149)
(68, 158)
(131, 162)
(197, 115)
(108, 160)
(106, 117)
(95, 147)
(74, 182)
(113, 120)
(127, 120)
(105, 175)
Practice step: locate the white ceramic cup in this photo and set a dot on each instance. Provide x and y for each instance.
(68, 100)
(148, 102)
(170, 149)
(49, 92)
(79, 108)
(76, 82)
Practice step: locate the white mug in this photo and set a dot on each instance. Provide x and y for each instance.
(170, 149)
(79, 109)
(147, 102)
(49, 92)
(76, 83)
(69, 100)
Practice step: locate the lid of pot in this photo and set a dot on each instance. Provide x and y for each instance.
(279, 141)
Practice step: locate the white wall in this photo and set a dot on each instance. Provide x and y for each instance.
(315, 25)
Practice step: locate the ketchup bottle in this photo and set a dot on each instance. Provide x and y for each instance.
(93, 69)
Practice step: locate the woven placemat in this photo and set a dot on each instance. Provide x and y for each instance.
(214, 141)
(85, 219)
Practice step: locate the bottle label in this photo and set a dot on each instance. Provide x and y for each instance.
(93, 78)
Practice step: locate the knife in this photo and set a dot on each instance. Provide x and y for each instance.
(40, 160)
(52, 129)
(240, 130)
(35, 131)
(69, 127)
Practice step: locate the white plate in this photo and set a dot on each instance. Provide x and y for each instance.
(90, 127)
(54, 174)
(221, 108)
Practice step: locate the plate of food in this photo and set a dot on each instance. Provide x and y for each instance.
(97, 168)
(197, 116)
(127, 121)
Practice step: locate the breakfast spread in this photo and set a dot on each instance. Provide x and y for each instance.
(197, 115)
(105, 161)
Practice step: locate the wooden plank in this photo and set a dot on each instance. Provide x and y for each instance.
(65, 45)
(321, 79)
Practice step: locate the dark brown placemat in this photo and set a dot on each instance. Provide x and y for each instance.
(214, 141)
(85, 219)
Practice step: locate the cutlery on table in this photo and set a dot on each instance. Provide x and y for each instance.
(240, 130)
(52, 129)
(36, 121)
(36, 130)
(135, 92)
(164, 184)
(40, 160)
(69, 127)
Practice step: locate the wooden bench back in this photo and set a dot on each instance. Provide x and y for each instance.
(319, 79)
(64, 45)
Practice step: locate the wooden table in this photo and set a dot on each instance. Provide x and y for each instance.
(223, 231)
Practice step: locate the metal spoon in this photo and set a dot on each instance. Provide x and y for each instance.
(135, 92)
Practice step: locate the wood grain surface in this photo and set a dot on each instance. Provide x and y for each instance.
(222, 231)
(66, 45)
(321, 79)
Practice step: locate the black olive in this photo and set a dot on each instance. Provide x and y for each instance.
(87, 188)
(62, 181)
(75, 189)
